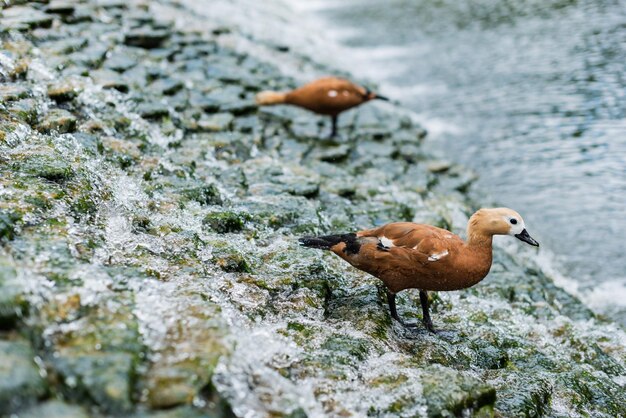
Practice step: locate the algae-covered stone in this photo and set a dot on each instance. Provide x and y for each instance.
(96, 361)
(61, 7)
(8, 223)
(152, 110)
(223, 222)
(167, 86)
(13, 304)
(186, 364)
(63, 91)
(58, 120)
(216, 122)
(449, 393)
(110, 79)
(50, 167)
(104, 377)
(11, 92)
(229, 259)
(26, 109)
(54, 409)
(206, 195)
(146, 37)
(20, 381)
(24, 18)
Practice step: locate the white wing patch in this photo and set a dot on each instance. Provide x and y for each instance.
(386, 242)
(332, 93)
(438, 256)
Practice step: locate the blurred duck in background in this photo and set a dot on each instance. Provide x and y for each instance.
(327, 96)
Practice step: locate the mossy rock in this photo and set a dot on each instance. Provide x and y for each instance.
(224, 222)
(8, 224)
(104, 377)
(450, 393)
(183, 368)
(231, 260)
(20, 381)
(58, 120)
(50, 167)
(26, 110)
(205, 195)
(345, 348)
(64, 91)
(13, 304)
(54, 409)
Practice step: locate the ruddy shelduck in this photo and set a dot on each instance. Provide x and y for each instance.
(327, 96)
(407, 255)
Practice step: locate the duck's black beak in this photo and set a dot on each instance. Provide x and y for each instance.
(523, 236)
(379, 97)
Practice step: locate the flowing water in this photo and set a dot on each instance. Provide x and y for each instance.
(530, 94)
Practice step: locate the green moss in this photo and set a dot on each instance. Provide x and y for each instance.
(206, 195)
(49, 167)
(224, 222)
(230, 259)
(346, 347)
(13, 304)
(84, 206)
(450, 393)
(8, 224)
(20, 382)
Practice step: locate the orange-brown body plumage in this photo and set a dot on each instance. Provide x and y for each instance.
(407, 255)
(326, 96)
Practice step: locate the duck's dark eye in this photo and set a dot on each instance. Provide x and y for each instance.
(514, 221)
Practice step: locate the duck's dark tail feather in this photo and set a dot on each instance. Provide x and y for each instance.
(328, 241)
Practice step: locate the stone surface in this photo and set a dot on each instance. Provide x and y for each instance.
(58, 120)
(20, 381)
(54, 409)
(146, 37)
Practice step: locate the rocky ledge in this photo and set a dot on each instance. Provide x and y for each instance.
(149, 264)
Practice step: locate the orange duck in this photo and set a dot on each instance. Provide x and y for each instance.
(407, 255)
(327, 96)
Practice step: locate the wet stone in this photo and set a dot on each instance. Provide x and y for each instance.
(438, 167)
(63, 91)
(20, 382)
(13, 305)
(109, 79)
(167, 86)
(224, 222)
(26, 110)
(63, 47)
(24, 18)
(49, 167)
(54, 409)
(450, 393)
(152, 110)
(216, 122)
(60, 7)
(112, 4)
(206, 195)
(104, 377)
(91, 56)
(59, 120)
(332, 154)
(11, 92)
(120, 61)
(146, 37)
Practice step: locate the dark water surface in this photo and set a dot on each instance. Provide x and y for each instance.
(531, 94)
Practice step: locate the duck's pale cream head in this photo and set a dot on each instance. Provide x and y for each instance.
(499, 221)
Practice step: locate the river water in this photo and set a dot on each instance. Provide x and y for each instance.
(530, 94)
